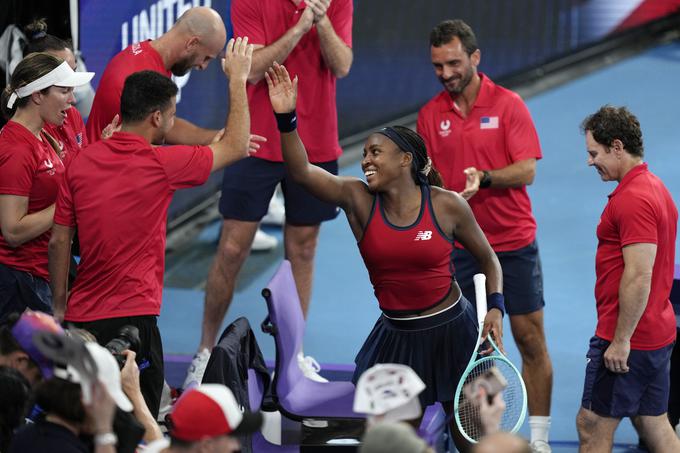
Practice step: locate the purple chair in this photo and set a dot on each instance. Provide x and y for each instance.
(296, 396)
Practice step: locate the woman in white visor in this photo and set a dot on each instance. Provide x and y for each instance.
(40, 91)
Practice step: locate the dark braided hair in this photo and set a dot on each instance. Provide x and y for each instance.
(411, 142)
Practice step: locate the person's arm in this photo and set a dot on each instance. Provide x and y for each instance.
(517, 174)
(234, 144)
(19, 227)
(184, 132)
(101, 411)
(467, 231)
(634, 289)
(336, 54)
(265, 56)
(59, 253)
(129, 380)
(319, 182)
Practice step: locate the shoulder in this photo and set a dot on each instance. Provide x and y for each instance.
(434, 104)
(446, 199)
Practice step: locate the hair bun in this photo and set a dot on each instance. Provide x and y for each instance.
(36, 29)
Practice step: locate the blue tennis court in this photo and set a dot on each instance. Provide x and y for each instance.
(567, 200)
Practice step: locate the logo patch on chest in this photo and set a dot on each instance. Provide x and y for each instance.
(423, 235)
(445, 128)
(488, 122)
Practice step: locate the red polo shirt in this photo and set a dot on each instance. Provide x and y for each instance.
(70, 136)
(28, 168)
(137, 57)
(264, 22)
(640, 210)
(117, 193)
(497, 132)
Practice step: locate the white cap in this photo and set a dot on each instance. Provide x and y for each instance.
(62, 76)
(107, 372)
(389, 391)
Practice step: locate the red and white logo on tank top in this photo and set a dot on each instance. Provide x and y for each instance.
(423, 235)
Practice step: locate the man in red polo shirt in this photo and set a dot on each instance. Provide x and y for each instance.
(482, 140)
(117, 193)
(197, 37)
(627, 374)
(314, 40)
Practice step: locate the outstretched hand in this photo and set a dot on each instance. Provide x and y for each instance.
(282, 91)
(113, 126)
(238, 59)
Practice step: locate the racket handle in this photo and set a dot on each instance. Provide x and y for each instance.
(480, 296)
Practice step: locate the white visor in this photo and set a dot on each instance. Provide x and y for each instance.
(62, 76)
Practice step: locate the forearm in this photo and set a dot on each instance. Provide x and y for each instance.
(295, 157)
(278, 51)
(336, 54)
(186, 133)
(28, 227)
(59, 253)
(633, 296)
(234, 143)
(517, 174)
(141, 412)
(491, 267)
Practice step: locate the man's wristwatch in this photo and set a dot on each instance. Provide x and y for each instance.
(105, 439)
(485, 181)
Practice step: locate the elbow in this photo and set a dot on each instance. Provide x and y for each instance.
(341, 72)
(13, 241)
(529, 179)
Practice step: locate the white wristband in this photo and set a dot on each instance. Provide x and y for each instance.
(105, 439)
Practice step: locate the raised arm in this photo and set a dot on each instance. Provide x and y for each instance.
(324, 185)
(233, 145)
(336, 54)
(184, 132)
(19, 227)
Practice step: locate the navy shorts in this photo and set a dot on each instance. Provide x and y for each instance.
(20, 290)
(248, 185)
(522, 278)
(643, 390)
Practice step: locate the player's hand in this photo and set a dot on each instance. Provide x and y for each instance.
(493, 324)
(616, 356)
(319, 8)
(472, 179)
(113, 126)
(237, 59)
(253, 144)
(282, 91)
(304, 24)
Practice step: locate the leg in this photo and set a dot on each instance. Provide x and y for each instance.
(233, 249)
(657, 433)
(595, 433)
(529, 336)
(300, 245)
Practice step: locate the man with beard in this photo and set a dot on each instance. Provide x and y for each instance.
(197, 37)
(482, 140)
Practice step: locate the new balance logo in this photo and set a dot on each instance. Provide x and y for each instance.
(423, 236)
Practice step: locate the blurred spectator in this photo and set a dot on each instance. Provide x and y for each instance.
(14, 396)
(393, 438)
(502, 443)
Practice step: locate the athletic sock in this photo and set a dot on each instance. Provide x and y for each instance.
(540, 426)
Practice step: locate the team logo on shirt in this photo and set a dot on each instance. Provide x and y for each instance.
(423, 235)
(79, 139)
(488, 122)
(136, 48)
(445, 128)
(49, 166)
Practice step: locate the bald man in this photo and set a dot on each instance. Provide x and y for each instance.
(197, 37)
(502, 443)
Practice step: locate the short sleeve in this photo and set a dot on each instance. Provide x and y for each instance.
(17, 169)
(341, 18)
(637, 220)
(64, 213)
(185, 166)
(522, 139)
(246, 20)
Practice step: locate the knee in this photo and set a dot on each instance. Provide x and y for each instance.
(232, 251)
(301, 249)
(531, 345)
(585, 425)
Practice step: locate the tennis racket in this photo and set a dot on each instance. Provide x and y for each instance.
(493, 371)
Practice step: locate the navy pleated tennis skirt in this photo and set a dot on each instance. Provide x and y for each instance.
(436, 347)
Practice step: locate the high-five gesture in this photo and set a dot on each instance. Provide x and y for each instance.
(282, 91)
(237, 59)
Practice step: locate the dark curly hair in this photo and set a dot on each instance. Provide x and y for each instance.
(445, 31)
(611, 123)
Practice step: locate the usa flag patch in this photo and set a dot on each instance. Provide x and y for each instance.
(488, 122)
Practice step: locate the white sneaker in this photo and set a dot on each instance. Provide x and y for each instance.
(276, 214)
(310, 368)
(540, 446)
(263, 242)
(166, 403)
(196, 369)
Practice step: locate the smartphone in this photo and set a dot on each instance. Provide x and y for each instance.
(492, 380)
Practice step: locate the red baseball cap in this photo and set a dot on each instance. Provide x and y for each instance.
(210, 410)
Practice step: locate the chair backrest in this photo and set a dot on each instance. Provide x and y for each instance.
(285, 315)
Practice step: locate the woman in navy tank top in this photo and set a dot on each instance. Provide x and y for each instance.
(405, 225)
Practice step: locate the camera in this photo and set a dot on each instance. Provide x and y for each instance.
(127, 338)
